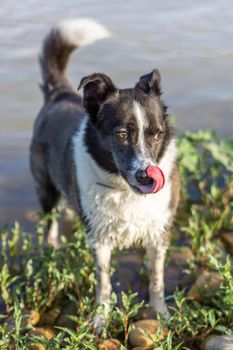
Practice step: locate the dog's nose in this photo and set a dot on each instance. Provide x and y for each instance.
(142, 177)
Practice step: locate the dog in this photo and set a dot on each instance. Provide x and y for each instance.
(111, 156)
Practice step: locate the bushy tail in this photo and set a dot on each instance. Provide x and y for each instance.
(58, 45)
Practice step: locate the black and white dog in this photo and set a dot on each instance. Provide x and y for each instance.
(110, 156)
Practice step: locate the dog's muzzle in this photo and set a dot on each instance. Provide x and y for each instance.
(150, 180)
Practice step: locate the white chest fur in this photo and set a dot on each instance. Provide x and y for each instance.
(118, 216)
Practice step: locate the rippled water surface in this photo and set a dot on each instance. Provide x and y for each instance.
(190, 42)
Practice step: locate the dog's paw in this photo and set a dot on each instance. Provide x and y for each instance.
(166, 314)
(55, 243)
(163, 311)
(98, 324)
(160, 306)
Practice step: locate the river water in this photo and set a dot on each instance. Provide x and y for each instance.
(190, 42)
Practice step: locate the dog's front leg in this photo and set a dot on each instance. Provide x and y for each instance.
(156, 258)
(102, 255)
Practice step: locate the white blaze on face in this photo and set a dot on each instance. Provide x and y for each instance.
(142, 123)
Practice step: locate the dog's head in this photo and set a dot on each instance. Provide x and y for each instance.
(131, 124)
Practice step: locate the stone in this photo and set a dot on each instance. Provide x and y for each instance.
(227, 238)
(138, 339)
(206, 281)
(146, 313)
(142, 348)
(47, 332)
(37, 347)
(33, 318)
(109, 344)
(218, 342)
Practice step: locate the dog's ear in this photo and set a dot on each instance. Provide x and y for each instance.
(150, 83)
(96, 89)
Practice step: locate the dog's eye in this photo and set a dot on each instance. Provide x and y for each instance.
(122, 135)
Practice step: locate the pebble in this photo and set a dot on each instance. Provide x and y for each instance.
(142, 348)
(227, 238)
(146, 313)
(110, 344)
(206, 281)
(33, 318)
(37, 347)
(138, 339)
(218, 342)
(47, 332)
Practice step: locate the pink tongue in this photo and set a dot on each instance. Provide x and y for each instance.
(157, 175)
